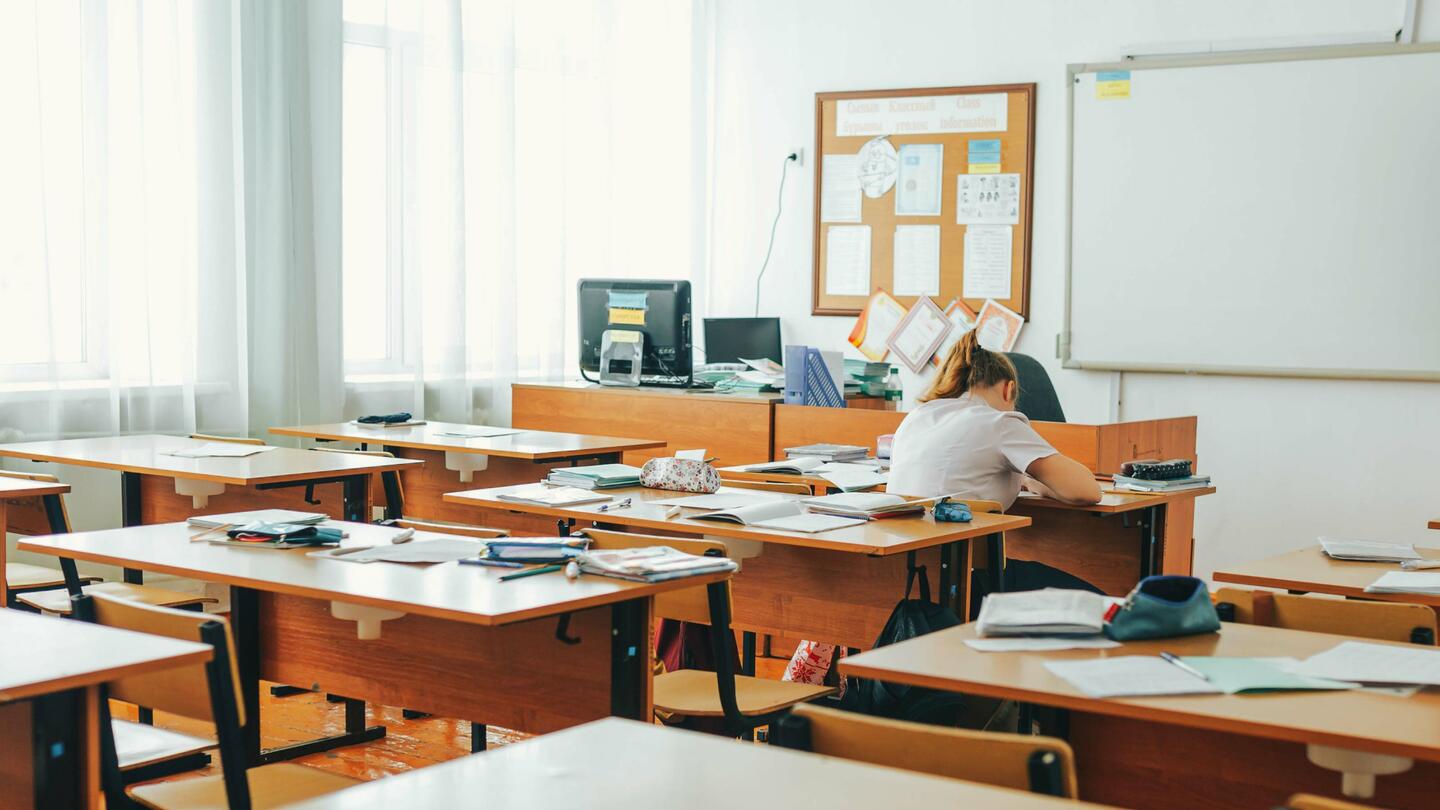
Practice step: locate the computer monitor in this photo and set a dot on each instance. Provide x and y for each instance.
(729, 339)
(658, 309)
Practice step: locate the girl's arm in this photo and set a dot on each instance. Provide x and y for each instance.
(1064, 479)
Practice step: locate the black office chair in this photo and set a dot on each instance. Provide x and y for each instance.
(1037, 395)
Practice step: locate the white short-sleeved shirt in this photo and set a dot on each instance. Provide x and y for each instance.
(964, 446)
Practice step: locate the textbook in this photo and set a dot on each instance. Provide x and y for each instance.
(596, 476)
(651, 564)
(869, 505)
(535, 549)
(1367, 550)
(1047, 612)
(1167, 485)
(553, 496)
(257, 516)
(788, 516)
(1421, 582)
(799, 465)
(829, 452)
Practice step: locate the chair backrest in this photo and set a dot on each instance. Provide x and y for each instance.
(685, 604)
(978, 505)
(1306, 801)
(206, 437)
(380, 480)
(788, 487)
(28, 516)
(1037, 398)
(462, 529)
(1385, 621)
(994, 758)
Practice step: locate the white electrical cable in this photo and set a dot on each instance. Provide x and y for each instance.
(779, 206)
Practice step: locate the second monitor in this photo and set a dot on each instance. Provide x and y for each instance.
(727, 340)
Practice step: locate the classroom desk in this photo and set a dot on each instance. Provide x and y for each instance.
(1194, 751)
(1309, 570)
(49, 702)
(19, 489)
(452, 462)
(620, 765)
(155, 488)
(535, 654)
(836, 586)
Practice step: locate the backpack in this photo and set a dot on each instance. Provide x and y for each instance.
(910, 618)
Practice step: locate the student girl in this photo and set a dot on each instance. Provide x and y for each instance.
(967, 439)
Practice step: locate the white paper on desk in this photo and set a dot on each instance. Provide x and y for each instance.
(917, 260)
(1129, 676)
(1040, 643)
(718, 500)
(808, 523)
(853, 481)
(846, 466)
(987, 199)
(426, 552)
(477, 432)
(1290, 665)
(840, 189)
(987, 261)
(693, 455)
(1364, 662)
(1420, 582)
(847, 260)
(219, 450)
(917, 185)
(1367, 550)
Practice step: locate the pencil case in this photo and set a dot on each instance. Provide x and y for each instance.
(952, 512)
(680, 475)
(1163, 607)
(384, 418)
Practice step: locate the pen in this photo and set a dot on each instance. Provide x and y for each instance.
(341, 552)
(610, 507)
(492, 563)
(1175, 659)
(544, 569)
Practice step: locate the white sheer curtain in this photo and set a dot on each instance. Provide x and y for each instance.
(496, 153)
(169, 216)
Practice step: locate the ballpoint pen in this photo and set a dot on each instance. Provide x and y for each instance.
(1175, 659)
(491, 563)
(544, 569)
(610, 507)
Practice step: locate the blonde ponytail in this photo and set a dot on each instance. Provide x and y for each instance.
(969, 366)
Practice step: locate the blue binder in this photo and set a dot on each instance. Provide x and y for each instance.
(808, 380)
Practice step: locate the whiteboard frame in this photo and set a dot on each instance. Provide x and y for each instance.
(1072, 71)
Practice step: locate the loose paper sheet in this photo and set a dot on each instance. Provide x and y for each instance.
(917, 190)
(917, 260)
(987, 261)
(1129, 675)
(840, 189)
(1375, 663)
(987, 199)
(218, 450)
(1040, 643)
(847, 260)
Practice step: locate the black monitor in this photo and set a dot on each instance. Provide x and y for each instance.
(659, 309)
(727, 340)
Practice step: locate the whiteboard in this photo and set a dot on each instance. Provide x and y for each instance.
(1273, 214)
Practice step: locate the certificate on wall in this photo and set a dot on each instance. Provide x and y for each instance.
(962, 320)
(917, 190)
(875, 324)
(919, 334)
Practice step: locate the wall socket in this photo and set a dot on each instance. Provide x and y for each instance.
(799, 156)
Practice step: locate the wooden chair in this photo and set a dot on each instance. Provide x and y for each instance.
(208, 692)
(30, 517)
(1306, 801)
(1385, 621)
(389, 480)
(206, 437)
(1021, 761)
(463, 529)
(787, 487)
(745, 702)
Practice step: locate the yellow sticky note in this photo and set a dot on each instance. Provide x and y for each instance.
(1112, 84)
(627, 317)
(984, 168)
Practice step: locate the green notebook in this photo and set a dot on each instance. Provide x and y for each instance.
(1236, 675)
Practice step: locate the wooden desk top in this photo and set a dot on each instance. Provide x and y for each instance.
(875, 538)
(13, 488)
(1110, 502)
(145, 454)
(533, 445)
(1357, 720)
(1309, 569)
(756, 397)
(616, 764)
(466, 593)
(46, 654)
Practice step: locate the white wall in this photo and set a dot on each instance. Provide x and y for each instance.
(1293, 458)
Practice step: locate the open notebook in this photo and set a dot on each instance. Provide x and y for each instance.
(870, 504)
(788, 516)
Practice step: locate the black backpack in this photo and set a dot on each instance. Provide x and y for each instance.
(910, 618)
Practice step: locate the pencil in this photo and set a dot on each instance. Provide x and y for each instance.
(544, 569)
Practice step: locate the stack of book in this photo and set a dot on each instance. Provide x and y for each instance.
(651, 564)
(535, 549)
(1167, 485)
(1046, 612)
(869, 376)
(598, 476)
(829, 452)
(868, 505)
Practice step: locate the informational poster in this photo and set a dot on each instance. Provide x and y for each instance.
(922, 115)
(877, 166)
(917, 188)
(917, 260)
(987, 261)
(1112, 84)
(987, 199)
(983, 157)
(847, 260)
(840, 189)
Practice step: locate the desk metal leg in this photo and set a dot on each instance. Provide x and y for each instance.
(1152, 525)
(946, 596)
(747, 653)
(394, 494)
(130, 515)
(995, 572)
(59, 764)
(356, 487)
(628, 659)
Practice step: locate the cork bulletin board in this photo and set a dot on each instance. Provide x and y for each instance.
(912, 184)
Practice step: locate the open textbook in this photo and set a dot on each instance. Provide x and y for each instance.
(789, 516)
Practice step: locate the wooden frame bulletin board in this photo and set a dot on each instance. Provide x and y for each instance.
(871, 116)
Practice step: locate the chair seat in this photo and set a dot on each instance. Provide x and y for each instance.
(59, 601)
(137, 744)
(694, 693)
(270, 786)
(24, 575)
